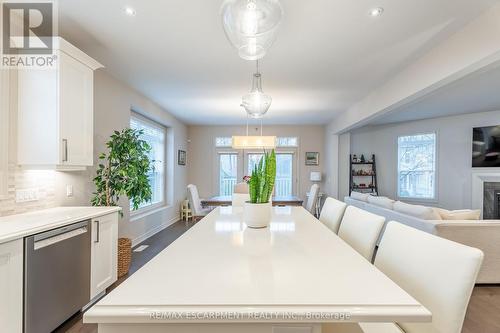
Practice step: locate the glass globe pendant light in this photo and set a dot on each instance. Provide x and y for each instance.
(251, 25)
(256, 103)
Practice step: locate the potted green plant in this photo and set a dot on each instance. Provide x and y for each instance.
(124, 170)
(257, 211)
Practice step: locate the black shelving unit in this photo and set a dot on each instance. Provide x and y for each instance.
(359, 175)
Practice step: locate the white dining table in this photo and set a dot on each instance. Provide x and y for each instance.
(293, 276)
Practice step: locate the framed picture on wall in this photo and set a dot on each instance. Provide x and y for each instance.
(312, 158)
(181, 157)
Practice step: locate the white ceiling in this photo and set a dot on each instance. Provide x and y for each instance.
(328, 55)
(477, 92)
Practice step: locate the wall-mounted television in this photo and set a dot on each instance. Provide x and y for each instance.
(486, 147)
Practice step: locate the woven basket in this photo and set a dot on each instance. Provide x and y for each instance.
(124, 255)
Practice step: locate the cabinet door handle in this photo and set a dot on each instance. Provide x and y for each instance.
(97, 231)
(65, 150)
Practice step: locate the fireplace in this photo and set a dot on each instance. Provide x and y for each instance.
(491, 201)
(484, 185)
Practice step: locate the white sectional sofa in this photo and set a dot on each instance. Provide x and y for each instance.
(481, 234)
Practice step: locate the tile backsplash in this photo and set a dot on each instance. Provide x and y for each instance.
(19, 179)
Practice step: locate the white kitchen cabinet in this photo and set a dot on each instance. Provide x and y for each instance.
(104, 253)
(4, 130)
(56, 111)
(11, 286)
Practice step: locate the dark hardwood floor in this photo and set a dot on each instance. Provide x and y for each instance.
(483, 314)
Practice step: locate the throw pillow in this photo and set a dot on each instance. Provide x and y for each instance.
(463, 214)
(421, 212)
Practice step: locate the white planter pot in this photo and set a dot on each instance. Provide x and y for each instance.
(257, 215)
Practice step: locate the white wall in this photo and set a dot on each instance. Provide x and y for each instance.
(331, 167)
(337, 150)
(344, 151)
(202, 152)
(454, 178)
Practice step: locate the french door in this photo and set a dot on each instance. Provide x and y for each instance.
(228, 172)
(286, 165)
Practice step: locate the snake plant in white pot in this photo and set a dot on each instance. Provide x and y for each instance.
(257, 211)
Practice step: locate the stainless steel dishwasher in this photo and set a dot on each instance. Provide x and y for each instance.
(56, 276)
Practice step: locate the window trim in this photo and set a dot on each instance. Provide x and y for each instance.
(153, 208)
(222, 147)
(435, 199)
(287, 146)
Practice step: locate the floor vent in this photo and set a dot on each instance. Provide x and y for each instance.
(141, 248)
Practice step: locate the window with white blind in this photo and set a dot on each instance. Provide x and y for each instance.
(155, 134)
(417, 166)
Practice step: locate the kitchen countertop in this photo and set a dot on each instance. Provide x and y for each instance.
(295, 266)
(21, 225)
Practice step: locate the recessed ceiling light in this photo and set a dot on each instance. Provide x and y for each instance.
(130, 11)
(376, 12)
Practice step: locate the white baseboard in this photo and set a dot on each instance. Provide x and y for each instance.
(153, 231)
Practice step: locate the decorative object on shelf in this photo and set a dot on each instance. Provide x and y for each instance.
(123, 171)
(315, 176)
(124, 256)
(312, 158)
(256, 103)
(360, 170)
(181, 157)
(257, 211)
(251, 25)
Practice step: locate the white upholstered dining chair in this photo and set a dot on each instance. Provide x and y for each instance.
(361, 230)
(437, 272)
(241, 188)
(195, 202)
(332, 213)
(240, 195)
(312, 199)
(239, 199)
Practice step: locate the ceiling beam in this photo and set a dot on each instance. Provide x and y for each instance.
(474, 48)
